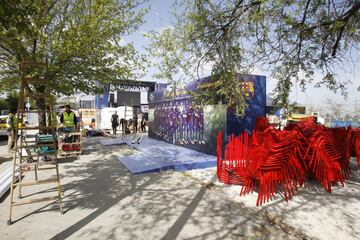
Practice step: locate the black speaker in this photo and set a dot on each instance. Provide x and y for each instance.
(112, 98)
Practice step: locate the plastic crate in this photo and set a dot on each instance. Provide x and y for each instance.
(71, 147)
(44, 138)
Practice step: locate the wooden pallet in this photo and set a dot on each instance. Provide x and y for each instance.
(62, 136)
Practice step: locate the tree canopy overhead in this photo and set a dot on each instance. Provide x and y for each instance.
(296, 40)
(82, 40)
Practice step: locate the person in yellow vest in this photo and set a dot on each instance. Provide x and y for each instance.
(68, 120)
(52, 118)
(11, 128)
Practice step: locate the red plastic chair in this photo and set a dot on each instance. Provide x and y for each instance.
(355, 144)
(272, 160)
(230, 168)
(325, 159)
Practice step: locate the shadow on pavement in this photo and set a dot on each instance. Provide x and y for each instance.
(155, 205)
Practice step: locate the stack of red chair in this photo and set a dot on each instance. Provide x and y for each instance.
(355, 144)
(272, 160)
(230, 168)
(325, 159)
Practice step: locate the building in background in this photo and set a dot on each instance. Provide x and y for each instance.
(87, 101)
(125, 93)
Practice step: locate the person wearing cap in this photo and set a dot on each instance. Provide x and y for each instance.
(68, 119)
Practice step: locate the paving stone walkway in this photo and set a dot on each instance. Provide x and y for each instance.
(102, 200)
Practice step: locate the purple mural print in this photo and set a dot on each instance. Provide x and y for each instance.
(178, 120)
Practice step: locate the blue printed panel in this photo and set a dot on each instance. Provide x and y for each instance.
(338, 123)
(102, 100)
(174, 117)
(255, 93)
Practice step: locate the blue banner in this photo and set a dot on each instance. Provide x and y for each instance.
(255, 94)
(339, 123)
(102, 100)
(173, 117)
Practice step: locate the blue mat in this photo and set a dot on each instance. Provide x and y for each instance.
(155, 156)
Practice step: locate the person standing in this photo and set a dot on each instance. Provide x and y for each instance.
(315, 115)
(114, 122)
(68, 119)
(11, 128)
(51, 119)
(135, 127)
(139, 117)
(123, 124)
(135, 123)
(143, 124)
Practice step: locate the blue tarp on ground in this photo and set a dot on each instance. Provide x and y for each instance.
(155, 156)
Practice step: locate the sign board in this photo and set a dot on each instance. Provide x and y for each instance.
(339, 123)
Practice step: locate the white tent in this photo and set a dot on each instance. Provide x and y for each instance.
(106, 113)
(125, 112)
(32, 119)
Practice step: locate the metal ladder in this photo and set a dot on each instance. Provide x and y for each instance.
(25, 157)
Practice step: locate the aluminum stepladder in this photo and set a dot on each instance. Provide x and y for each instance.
(30, 159)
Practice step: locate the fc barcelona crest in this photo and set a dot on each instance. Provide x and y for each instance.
(248, 89)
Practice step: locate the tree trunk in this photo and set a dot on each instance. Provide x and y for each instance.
(40, 104)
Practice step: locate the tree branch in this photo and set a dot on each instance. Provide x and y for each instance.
(336, 45)
(301, 29)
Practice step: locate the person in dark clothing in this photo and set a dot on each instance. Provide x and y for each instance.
(114, 122)
(123, 124)
(143, 129)
(135, 123)
(315, 115)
